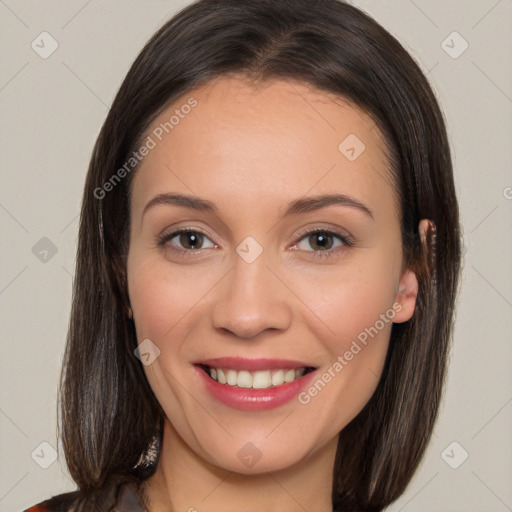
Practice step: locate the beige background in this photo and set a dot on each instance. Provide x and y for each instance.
(51, 112)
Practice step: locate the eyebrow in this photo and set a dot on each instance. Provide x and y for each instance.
(301, 205)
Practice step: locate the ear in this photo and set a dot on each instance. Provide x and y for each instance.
(407, 289)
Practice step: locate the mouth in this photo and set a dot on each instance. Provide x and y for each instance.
(256, 379)
(253, 384)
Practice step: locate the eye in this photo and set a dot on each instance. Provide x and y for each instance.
(188, 240)
(323, 241)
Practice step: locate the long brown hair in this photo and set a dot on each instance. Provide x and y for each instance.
(110, 418)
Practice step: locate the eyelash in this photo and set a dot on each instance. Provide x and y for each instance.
(328, 253)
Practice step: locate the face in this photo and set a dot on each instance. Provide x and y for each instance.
(267, 294)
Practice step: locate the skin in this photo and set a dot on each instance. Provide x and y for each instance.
(251, 150)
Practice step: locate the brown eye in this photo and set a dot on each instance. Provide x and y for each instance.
(191, 240)
(320, 241)
(185, 240)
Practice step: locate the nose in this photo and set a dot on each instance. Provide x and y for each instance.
(251, 300)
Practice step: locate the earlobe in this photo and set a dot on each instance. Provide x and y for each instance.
(407, 290)
(405, 298)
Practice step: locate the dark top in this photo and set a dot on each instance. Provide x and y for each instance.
(128, 500)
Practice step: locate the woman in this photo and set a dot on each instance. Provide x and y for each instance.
(267, 269)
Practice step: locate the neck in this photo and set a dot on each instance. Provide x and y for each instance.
(183, 481)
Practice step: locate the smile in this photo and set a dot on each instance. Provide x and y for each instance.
(261, 379)
(253, 384)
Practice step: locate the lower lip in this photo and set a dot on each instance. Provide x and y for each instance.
(248, 399)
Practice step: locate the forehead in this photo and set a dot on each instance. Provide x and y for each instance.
(274, 141)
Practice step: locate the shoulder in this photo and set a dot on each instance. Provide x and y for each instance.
(127, 499)
(59, 503)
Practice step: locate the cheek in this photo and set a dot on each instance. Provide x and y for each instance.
(358, 310)
(351, 297)
(355, 304)
(160, 296)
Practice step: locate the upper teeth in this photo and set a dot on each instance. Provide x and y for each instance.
(256, 380)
